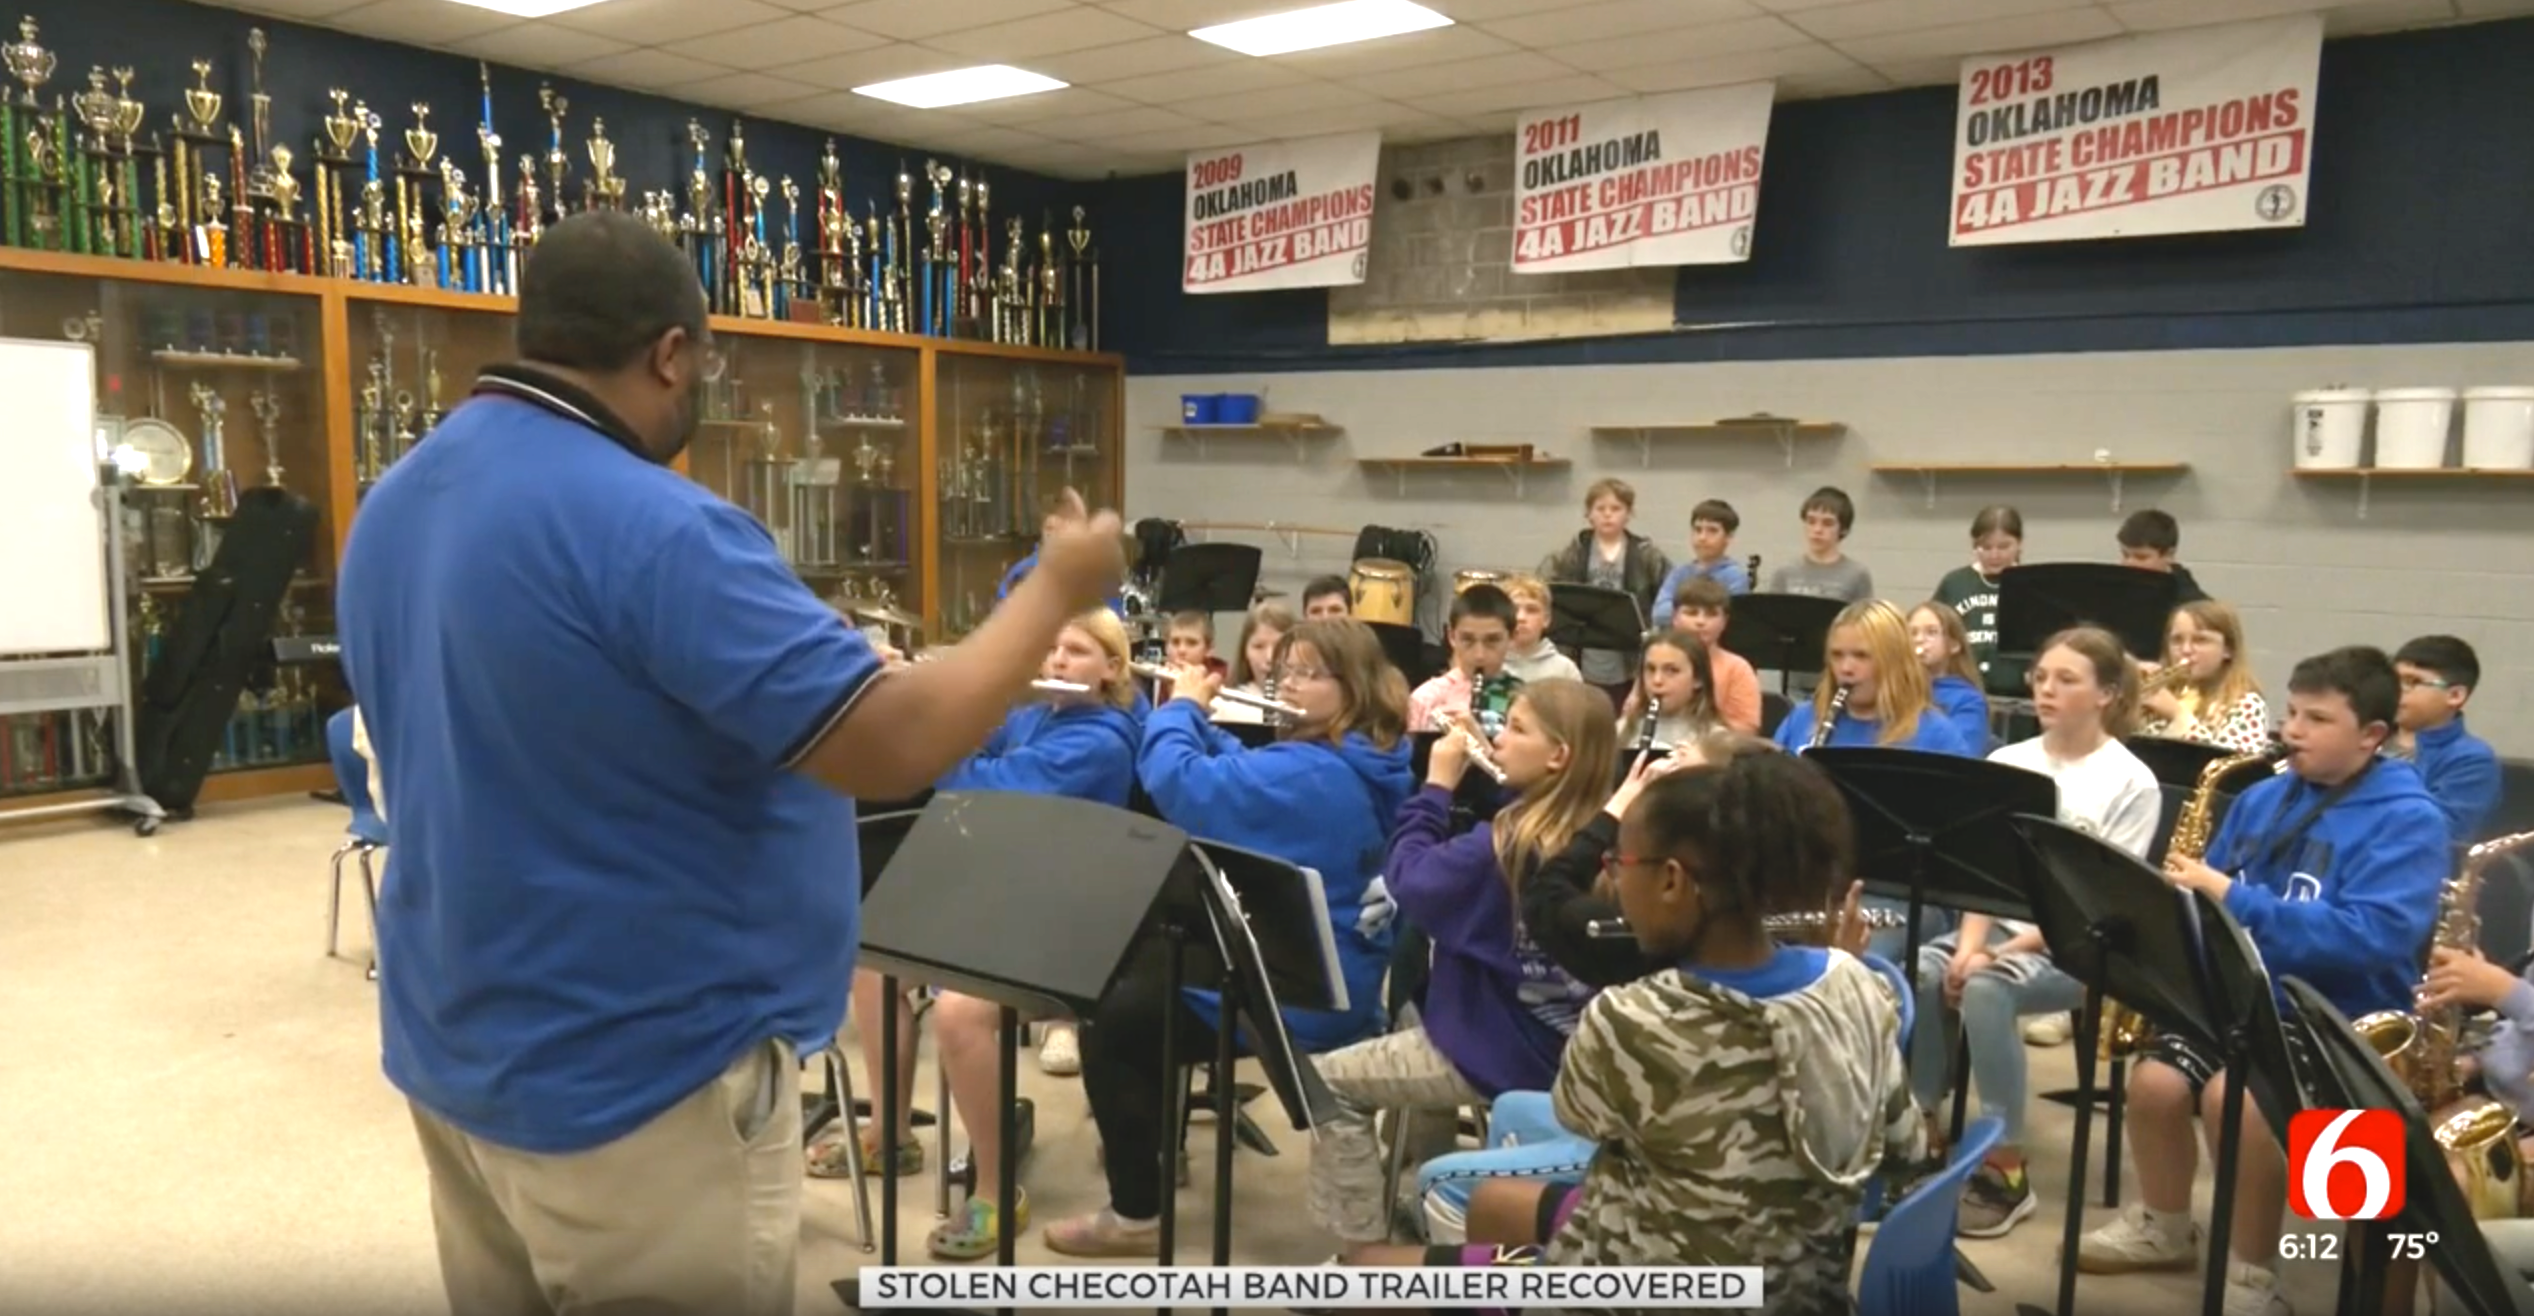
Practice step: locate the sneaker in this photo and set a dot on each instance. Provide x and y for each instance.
(2134, 1242)
(1104, 1234)
(2252, 1291)
(2048, 1030)
(972, 1232)
(1993, 1202)
(1061, 1053)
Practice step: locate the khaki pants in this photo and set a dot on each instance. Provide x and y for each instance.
(1399, 1072)
(695, 1214)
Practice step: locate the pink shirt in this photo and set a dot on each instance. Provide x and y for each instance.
(1441, 698)
(1737, 690)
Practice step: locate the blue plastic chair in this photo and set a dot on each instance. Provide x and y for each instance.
(1911, 1270)
(1901, 987)
(364, 836)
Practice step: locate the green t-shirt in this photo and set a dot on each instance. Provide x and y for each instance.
(1973, 597)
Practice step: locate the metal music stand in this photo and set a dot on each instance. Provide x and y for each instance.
(1932, 829)
(2347, 1071)
(2039, 601)
(1781, 633)
(952, 909)
(1588, 617)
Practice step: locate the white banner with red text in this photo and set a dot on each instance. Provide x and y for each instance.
(1293, 214)
(1657, 180)
(2178, 132)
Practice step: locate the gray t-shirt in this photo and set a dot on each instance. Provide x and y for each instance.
(1606, 666)
(1845, 580)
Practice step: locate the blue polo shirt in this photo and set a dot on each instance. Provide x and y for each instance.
(587, 680)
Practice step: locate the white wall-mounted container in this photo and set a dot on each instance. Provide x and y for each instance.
(2411, 427)
(2331, 428)
(2499, 429)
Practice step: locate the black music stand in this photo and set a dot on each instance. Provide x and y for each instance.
(879, 829)
(2041, 600)
(952, 909)
(2175, 762)
(1404, 646)
(2358, 1079)
(1781, 633)
(1477, 797)
(1934, 825)
(1209, 578)
(1589, 617)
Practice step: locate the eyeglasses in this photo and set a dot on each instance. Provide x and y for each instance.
(1289, 675)
(2426, 683)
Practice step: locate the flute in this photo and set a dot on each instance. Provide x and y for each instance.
(1481, 755)
(1157, 672)
(1050, 687)
(1874, 920)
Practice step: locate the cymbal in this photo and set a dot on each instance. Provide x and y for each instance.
(884, 613)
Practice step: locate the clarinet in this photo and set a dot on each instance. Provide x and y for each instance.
(1647, 724)
(1829, 721)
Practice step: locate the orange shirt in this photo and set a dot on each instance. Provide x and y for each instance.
(1737, 690)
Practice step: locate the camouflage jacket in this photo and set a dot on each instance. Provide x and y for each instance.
(1735, 1131)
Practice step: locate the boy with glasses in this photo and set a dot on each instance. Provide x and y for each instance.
(2438, 674)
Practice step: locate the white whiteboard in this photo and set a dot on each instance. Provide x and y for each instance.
(52, 533)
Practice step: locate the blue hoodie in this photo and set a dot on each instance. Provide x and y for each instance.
(1324, 807)
(1726, 571)
(1087, 752)
(2462, 773)
(1966, 706)
(1937, 733)
(2349, 908)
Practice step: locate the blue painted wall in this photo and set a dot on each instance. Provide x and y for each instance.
(2421, 229)
(160, 39)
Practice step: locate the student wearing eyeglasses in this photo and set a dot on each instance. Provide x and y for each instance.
(2438, 673)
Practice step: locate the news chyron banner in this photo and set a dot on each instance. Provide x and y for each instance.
(1657, 180)
(1293, 214)
(2179, 132)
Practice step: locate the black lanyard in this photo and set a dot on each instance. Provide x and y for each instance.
(2281, 849)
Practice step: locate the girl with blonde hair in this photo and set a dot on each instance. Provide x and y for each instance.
(1890, 701)
(2218, 702)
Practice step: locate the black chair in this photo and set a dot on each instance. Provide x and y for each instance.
(1773, 710)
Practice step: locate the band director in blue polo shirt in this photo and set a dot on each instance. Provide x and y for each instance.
(622, 739)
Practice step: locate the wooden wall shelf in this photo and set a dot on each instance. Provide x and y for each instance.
(1294, 436)
(1516, 471)
(2117, 472)
(1784, 429)
(2366, 477)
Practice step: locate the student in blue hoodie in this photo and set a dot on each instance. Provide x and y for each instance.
(1497, 1010)
(2334, 869)
(1321, 797)
(1890, 704)
(1953, 675)
(1081, 745)
(2438, 675)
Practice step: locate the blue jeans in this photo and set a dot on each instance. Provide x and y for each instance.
(1524, 1142)
(1992, 1002)
(1894, 944)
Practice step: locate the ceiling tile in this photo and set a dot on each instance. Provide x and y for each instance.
(1813, 61)
(1479, 11)
(913, 20)
(1875, 18)
(783, 41)
(2159, 15)
(1047, 34)
(1130, 122)
(1340, 119)
(1063, 103)
(982, 140)
(842, 111)
(2032, 31)
(660, 22)
(1850, 81)
(861, 68)
(539, 46)
(1428, 129)
(300, 8)
(1276, 100)
(1190, 84)
(807, 6)
(1189, 15)
(1131, 59)
(1195, 137)
(1703, 42)
(1406, 51)
(1577, 90)
(645, 70)
(1436, 79)
(1494, 123)
(423, 24)
(2387, 16)
(1078, 162)
(744, 91)
(1921, 72)
(1616, 18)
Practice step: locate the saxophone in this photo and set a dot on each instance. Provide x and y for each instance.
(2424, 1050)
(1829, 719)
(2125, 1030)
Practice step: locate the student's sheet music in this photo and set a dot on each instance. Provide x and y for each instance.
(1305, 1096)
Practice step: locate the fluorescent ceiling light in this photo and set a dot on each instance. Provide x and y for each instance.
(529, 8)
(989, 82)
(1326, 25)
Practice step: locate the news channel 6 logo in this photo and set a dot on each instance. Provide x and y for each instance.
(2346, 1164)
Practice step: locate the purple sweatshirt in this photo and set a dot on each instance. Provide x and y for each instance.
(2507, 1063)
(1496, 1007)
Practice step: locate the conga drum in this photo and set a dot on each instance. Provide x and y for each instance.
(1468, 576)
(1382, 590)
